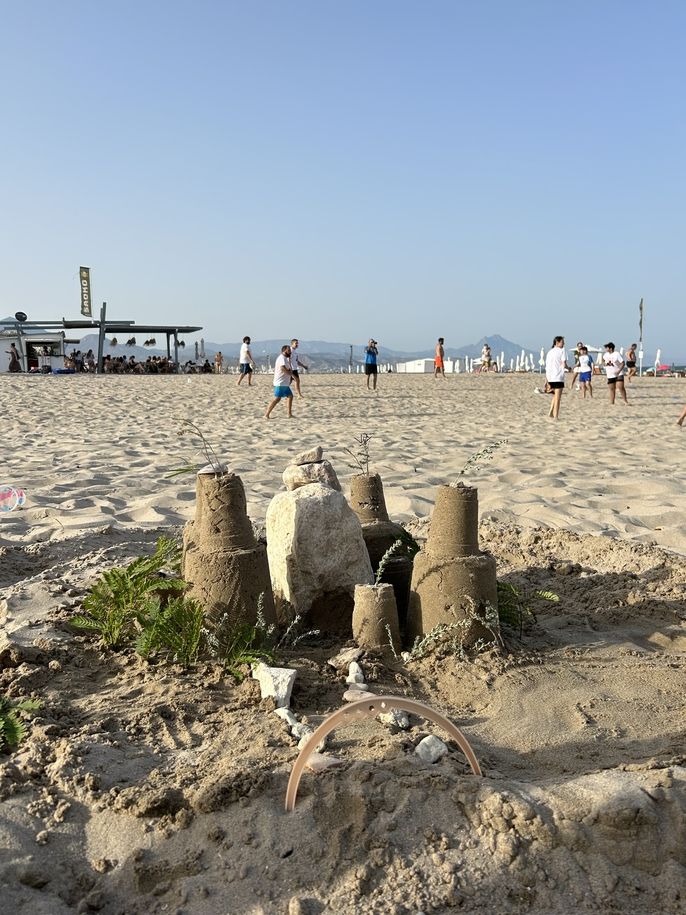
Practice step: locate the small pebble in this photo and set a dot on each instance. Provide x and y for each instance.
(431, 749)
(355, 674)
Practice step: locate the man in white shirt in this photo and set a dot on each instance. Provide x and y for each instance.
(296, 365)
(555, 368)
(614, 366)
(282, 381)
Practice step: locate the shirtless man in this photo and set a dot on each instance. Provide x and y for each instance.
(631, 362)
(439, 366)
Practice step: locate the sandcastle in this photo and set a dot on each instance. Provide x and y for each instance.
(453, 581)
(226, 568)
(315, 546)
(380, 533)
(375, 618)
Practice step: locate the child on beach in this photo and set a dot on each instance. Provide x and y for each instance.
(282, 381)
(245, 362)
(584, 371)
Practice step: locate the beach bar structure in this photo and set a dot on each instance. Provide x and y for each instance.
(41, 349)
(27, 333)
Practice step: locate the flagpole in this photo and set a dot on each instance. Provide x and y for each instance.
(640, 343)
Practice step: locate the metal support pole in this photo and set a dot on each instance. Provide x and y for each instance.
(101, 336)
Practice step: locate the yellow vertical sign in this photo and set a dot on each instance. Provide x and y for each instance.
(85, 280)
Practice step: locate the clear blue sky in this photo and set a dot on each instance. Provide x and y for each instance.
(338, 170)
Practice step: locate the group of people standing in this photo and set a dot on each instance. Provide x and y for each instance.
(616, 367)
(286, 372)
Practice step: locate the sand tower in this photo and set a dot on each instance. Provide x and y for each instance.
(369, 504)
(222, 562)
(453, 580)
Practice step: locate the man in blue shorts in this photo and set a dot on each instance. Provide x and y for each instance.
(282, 381)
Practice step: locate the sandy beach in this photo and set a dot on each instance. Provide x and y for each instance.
(93, 450)
(143, 788)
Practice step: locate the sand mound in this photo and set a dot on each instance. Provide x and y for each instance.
(144, 789)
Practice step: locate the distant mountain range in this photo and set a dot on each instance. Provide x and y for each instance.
(320, 355)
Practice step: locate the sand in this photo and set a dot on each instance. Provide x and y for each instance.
(142, 788)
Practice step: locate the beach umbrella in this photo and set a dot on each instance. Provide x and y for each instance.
(531, 362)
(511, 365)
(202, 348)
(658, 357)
(541, 360)
(621, 351)
(196, 350)
(501, 364)
(522, 357)
(517, 364)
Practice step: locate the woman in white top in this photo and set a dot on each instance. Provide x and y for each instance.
(555, 368)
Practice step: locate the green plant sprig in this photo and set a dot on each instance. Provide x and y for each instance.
(188, 427)
(12, 727)
(361, 455)
(480, 456)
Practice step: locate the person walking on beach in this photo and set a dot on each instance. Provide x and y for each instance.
(614, 366)
(282, 381)
(245, 362)
(439, 359)
(631, 362)
(371, 353)
(296, 364)
(555, 368)
(584, 371)
(15, 364)
(485, 358)
(218, 363)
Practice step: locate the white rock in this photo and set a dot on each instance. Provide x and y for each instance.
(315, 547)
(309, 457)
(304, 738)
(352, 695)
(287, 715)
(318, 762)
(345, 658)
(276, 682)
(395, 718)
(361, 687)
(431, 749)
(297, 475)
(355, 674)
(300, 730)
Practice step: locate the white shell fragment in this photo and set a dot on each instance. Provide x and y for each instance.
(344, 658)
(276, 682)
(319, 762)
(352, 695)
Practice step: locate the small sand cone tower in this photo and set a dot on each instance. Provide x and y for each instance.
(380, 533)
(375, 618)
(453, 580)
(226, 568)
